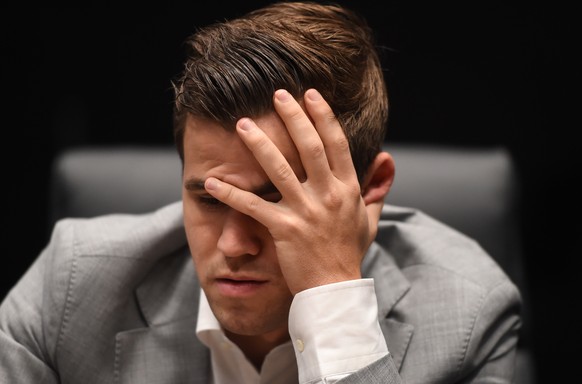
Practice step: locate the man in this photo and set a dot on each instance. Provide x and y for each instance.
(279, 121)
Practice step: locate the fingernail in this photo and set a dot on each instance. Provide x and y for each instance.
(282, 95)
(211, 184)
(245, 124)
(313, 95)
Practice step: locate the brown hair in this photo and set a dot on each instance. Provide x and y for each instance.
(233, 68)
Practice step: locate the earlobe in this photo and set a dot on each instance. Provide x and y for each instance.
(378, 179)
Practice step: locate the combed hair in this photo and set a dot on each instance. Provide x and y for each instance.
(232, 69)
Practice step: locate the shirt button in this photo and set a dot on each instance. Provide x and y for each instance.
(299, 344)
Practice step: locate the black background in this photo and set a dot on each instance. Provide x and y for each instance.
(467, 73)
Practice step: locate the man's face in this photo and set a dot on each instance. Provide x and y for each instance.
(234, 254)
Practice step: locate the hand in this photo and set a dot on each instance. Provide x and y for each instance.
(320, 226)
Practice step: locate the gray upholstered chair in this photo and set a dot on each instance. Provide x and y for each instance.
(474, 190)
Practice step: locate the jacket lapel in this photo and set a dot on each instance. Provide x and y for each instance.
(168, 350)
(390, 285)
(169, 353)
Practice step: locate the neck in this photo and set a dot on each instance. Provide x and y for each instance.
(256, 347)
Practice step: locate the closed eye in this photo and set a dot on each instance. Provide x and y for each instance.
(210, 202)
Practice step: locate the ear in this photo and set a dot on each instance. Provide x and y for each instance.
(375, 187)
(378, 179)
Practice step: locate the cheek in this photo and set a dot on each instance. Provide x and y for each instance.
(202, 243)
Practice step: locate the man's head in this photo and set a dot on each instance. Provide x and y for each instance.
(250, 262)
(233, 68)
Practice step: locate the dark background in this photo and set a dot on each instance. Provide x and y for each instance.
(479, 74)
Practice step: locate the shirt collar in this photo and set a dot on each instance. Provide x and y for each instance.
(207, 324)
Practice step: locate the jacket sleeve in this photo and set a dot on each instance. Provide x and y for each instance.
(31, 316)
(490, 354)
(382, 371)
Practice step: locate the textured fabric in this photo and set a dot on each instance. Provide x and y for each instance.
(114, 299)
(369, 374)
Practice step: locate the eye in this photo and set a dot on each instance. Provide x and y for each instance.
(210, 202)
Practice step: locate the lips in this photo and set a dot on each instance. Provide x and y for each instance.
(239, 286)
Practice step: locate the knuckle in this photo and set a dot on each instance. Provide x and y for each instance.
(342, 143)
(289, 224)
(262, 143)
(296, 114)
(354, 190)
(283, 172)
(333, 199)
(316, 149)
(229, 195)
(251, 203)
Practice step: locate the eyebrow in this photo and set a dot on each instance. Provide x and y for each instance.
(197, 185)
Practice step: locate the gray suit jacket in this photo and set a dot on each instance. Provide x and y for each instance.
(114, 299)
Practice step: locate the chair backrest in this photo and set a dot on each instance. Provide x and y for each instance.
(472, 190)
(475, 190)
(90, 181)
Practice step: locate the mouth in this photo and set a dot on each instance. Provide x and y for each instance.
(238, 287)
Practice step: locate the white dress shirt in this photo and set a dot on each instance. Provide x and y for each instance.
(334, 331)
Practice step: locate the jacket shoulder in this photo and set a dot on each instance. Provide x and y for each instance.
(464, 308)
(414, 240)
(83, 283)
(121, 235)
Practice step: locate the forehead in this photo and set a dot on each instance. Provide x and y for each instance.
(211, 150)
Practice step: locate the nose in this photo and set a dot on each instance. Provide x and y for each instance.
(240, 235)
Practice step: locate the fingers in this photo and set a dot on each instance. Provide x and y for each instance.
(245, 202)
(336, 144)
(321, 142)
(271, 159)
(311, 149)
